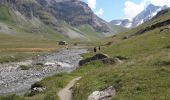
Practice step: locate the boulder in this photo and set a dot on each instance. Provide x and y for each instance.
(96, 57)
(109, 61)
(126, 37)
(104, 58)
(106, 94)
(99, 56)
(38, 90)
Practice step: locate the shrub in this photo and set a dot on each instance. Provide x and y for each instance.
(24, 67)
(7, 59)
(40, 64)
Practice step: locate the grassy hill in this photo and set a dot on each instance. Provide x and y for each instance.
(119, 29)
(143, 76)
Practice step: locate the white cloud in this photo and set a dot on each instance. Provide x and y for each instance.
(92, 4)
(99, 12)
(158, 2)
(131, 9)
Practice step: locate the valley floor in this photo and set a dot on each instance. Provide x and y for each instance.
(143, 75)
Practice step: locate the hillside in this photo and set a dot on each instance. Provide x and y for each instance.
(50, 19)
(137, 65)
(143, 75)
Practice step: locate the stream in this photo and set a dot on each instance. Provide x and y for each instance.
(15, 80)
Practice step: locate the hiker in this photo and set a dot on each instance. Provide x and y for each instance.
(99, 48)
(95, 50)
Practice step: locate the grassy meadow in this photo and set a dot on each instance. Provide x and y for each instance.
(144, 75)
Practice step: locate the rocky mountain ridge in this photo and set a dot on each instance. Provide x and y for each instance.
(55, 13)
(147, 14)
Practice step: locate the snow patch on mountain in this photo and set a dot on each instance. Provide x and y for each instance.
(147, 14)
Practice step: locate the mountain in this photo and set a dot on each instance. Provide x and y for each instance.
(135, 68)
(147, 14)
(52, 18)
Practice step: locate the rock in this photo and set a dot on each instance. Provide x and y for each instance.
(106, 94)
(38, 89)
(49, 64)
(98, 56)
(109, 61)
(165, 30)
(118, 61)
(104, 58)
(152, 27)
(126, 37)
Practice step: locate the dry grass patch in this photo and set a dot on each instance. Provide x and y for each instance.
(27, 49)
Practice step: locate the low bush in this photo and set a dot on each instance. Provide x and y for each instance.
(24, 67)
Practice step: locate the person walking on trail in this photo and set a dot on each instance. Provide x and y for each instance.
(99, 48)
(95, 50)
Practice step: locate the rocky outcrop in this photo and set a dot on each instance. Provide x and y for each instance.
(106, 94)
(147, 14)
(76, 13)
(152, 27)
(101, 57)
(51, 12)
(96, 57)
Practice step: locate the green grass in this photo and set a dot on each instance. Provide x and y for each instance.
(5, 15)
(143, 76)
(17, 47)
(11, 97)
(59, 81)
(118, 29)
(89, 32)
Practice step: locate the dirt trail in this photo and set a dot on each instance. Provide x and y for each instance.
(66, 93)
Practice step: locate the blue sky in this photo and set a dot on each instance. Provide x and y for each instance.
(119, 9)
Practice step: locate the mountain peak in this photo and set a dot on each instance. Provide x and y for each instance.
(152, 7)
(147, 14)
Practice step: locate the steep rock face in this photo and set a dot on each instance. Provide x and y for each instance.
(25, 7)
(73, 12)
(146, 15)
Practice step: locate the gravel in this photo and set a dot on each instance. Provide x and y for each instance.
(15, 80)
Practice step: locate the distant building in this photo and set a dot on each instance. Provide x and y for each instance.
(62, 43)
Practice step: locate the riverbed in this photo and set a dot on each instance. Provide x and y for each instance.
(13, 79)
